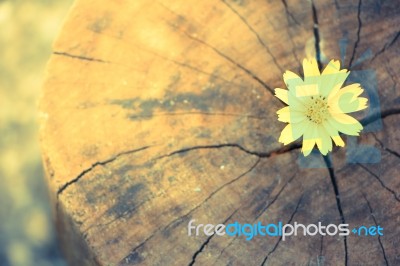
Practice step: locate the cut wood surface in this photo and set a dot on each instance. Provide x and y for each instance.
(155, 113)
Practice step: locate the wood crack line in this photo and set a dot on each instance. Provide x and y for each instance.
(233, 145)
(288, 13)
(293, 146)
(201, 113)
(338, 201)
(380, 182)
(224, 56)
(76, 179)
(194, 209)
(386, 46)
(229, 59)
(79, 57)
(358, 33)
(183, 150)
(280, 238)
(316, 34)
(258, 216)
(205, 243)
(393, 152)
(380, 115)
(260, 40)
(379, 237)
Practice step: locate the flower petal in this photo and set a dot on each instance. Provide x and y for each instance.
(346, 124)
(334, 134)
(324, 142)
(332, 67)
(282, 95)
(291, 132)
(292, 80)
(310, 68)
(332, 78)
(289, 116)
(347, 100)
(308, 138)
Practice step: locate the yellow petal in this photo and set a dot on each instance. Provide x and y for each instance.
(323, 140)
(308, 138)
(282, 95)
(346, 124)
(287, 115)
(297, 103)
(310, 68)
(332, 78)
(291, 132)
(333, 67)
(334, 134)
(308, 145)
(332, 83)
(347, 101)
(292, 80)
(338, 141)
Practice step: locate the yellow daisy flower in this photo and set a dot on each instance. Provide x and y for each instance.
(318, 107)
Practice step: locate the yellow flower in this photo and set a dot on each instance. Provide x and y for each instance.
(318, 106)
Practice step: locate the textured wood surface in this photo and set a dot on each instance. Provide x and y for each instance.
(156, 113)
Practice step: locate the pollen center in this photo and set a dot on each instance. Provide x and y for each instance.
(318, 110)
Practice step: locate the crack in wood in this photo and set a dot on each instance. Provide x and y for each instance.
(380, 115)
(198, 70)
(335, 186)
(191, 211)
(160, 194)
(380, 182)
(209, 238)
(126, 261)
(280, 238)
(194, 209)
(224, 56)
(79, 57)
(316, 35)
(336, 4)
(258, 216)
(376, 224)
(185, 65)
(227, 58)
(202, 113)
(391, 75)
(358, 33)
(234, 145)
(288, 13)
(393, 152)
(191, 263)
(100, 163)
(386, 46)
(118, 217)
(260, 40)
(285, 149)
(321, 247)
(288, 148)
(274, 199)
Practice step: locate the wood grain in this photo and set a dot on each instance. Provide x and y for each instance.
(156, 113)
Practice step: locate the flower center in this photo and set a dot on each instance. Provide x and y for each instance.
(317, 110)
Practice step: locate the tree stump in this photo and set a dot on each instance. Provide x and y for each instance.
(155, 113)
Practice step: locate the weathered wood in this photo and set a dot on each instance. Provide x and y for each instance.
(156, 113)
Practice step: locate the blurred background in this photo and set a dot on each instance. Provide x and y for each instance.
(27, 30)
